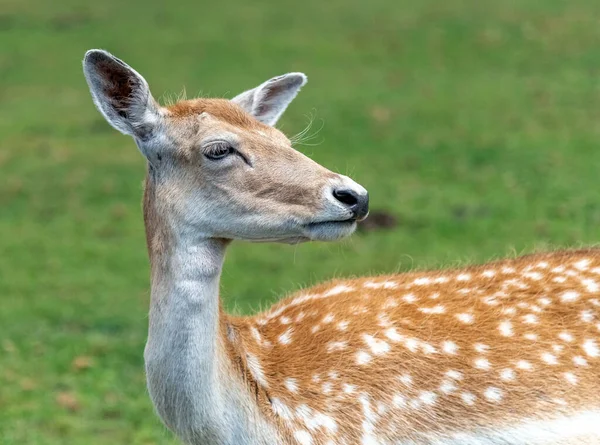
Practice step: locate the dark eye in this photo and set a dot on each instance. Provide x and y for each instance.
(219, 151)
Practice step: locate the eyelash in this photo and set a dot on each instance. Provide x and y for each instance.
(219, 151)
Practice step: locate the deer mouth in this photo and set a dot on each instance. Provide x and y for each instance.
(330, 230)
(349, 221)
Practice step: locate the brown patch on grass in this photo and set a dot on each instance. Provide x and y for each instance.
(378, 220)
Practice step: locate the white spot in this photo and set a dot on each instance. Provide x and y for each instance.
(406, 379)
(303, 437)
(422, 281)
(448, 387)
(533, 275)
(281, 409)
(291, 384)
(544, 301)
(508, 270)
(557, 348)
(428, 349)
(336, 346)
(559, 279)
(410, 298)
(299, 317)
(493, 394)
(412, 344)
(507, 374)
(340, 288)
(481, 348)
(315, 328)
(468, 398)
(380, 285)
(285, 320)
(549, 358)
(333, 375)
(328, 318)
(531, 336)
(327, 387)
(542, 265)
(565, 336)
(363, 357)
(441, 280)
(393, 335)
(465, 318)
(342, 325)
(428, 397)
(463, 277)
(571, 378)
(286, 338)
(558, 269)
(435, 296)
(525, 365)
(490, 301)
(256, 369)
(580, 361)
(377, 346)
(488, 273)
(530, 319)
(390, 303)
(482, 363)
(256, 335)
(399, 400)
(582, 264)
(569, 296)
(506, 328)
(590, 285)
(453, 374)
(509, 311)
(590, 348)
(439, 309)
(348, 388)
(587, 316)
(449, 347)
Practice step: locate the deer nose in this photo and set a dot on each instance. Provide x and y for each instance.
(358, 204)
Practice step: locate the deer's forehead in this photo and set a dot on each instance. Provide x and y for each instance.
(197, 118)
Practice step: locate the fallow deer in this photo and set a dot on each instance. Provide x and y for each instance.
(503, 353)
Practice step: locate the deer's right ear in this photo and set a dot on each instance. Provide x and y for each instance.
(121, 94)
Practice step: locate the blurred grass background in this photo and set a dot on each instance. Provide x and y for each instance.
(473, 122)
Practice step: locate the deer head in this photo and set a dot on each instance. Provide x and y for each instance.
(219, 168)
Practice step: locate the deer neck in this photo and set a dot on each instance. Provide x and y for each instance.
(184, 351)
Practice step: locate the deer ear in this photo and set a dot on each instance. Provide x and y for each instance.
(120, 94)
(268, 101)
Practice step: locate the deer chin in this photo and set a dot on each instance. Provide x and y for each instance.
(329, 230)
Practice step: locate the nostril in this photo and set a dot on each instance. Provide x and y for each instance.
(346, 196)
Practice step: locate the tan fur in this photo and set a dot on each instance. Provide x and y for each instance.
(543, 364)
(221, 109)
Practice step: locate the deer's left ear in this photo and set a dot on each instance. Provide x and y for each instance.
(268, 101)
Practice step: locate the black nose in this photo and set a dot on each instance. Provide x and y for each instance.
(359, 204)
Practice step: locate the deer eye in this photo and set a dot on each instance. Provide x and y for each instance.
(219, 151)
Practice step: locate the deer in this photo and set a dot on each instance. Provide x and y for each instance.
(505, 352)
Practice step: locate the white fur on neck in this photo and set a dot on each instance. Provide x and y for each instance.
(189, 378)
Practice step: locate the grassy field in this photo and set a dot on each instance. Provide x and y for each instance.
(475, 123)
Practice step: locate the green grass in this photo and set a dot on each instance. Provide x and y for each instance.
(476, 123)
